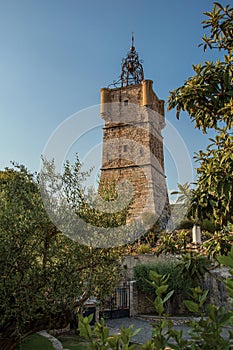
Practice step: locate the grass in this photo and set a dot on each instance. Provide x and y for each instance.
(73, 342)
(36, 342)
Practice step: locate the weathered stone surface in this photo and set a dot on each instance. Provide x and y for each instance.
(133, 146)
(142, 302)
(214, 283)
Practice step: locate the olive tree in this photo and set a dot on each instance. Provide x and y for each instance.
(45, 276)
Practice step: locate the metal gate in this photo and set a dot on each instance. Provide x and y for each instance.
(118, 304)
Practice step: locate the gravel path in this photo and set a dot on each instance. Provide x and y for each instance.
(145, 326)
(144, 334)
(144, 323)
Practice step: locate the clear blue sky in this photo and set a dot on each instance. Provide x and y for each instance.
(57, 54)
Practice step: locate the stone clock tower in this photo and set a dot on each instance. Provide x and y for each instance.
(132, 154)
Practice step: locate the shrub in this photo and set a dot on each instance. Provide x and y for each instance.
(209, 225)
(143, 249)
(185, 225)
(35, 342)
(163, 267)
(205, 332)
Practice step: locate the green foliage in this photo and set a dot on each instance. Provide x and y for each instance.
(219, 244)
(206, 332)
(228, 261)
(163, 267)
(173, 243)
(213, 195)
(193, 266)
(185, 194)
(36, 342)
(96, 219)
(143, 249)
(99, 338)
(200, 298)
(207, 96)
(206, 225)
(159, 283)
(185, 225)
(180, 209)
(73, 342)
(45, 276)
(220, 23)
(209, 226)
(167, 244)
(184, 214)
(208, 99)
(151, 237)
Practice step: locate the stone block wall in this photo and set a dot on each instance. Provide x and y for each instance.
(141, 303)
(133, 146)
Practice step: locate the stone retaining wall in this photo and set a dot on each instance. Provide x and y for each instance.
(142, 302)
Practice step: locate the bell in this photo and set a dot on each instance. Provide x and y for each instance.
(130, 67)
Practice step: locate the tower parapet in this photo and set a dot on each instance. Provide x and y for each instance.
(132, 141)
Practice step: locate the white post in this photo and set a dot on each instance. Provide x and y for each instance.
(196, 234)
(131, 301)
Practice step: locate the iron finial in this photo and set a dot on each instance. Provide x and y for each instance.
(132, 70)
(132, 46)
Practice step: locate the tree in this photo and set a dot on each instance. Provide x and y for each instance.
(208, 99)
(45, 276)
(211, 330)
(90, 218)
(185, 194)
(180, 209)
